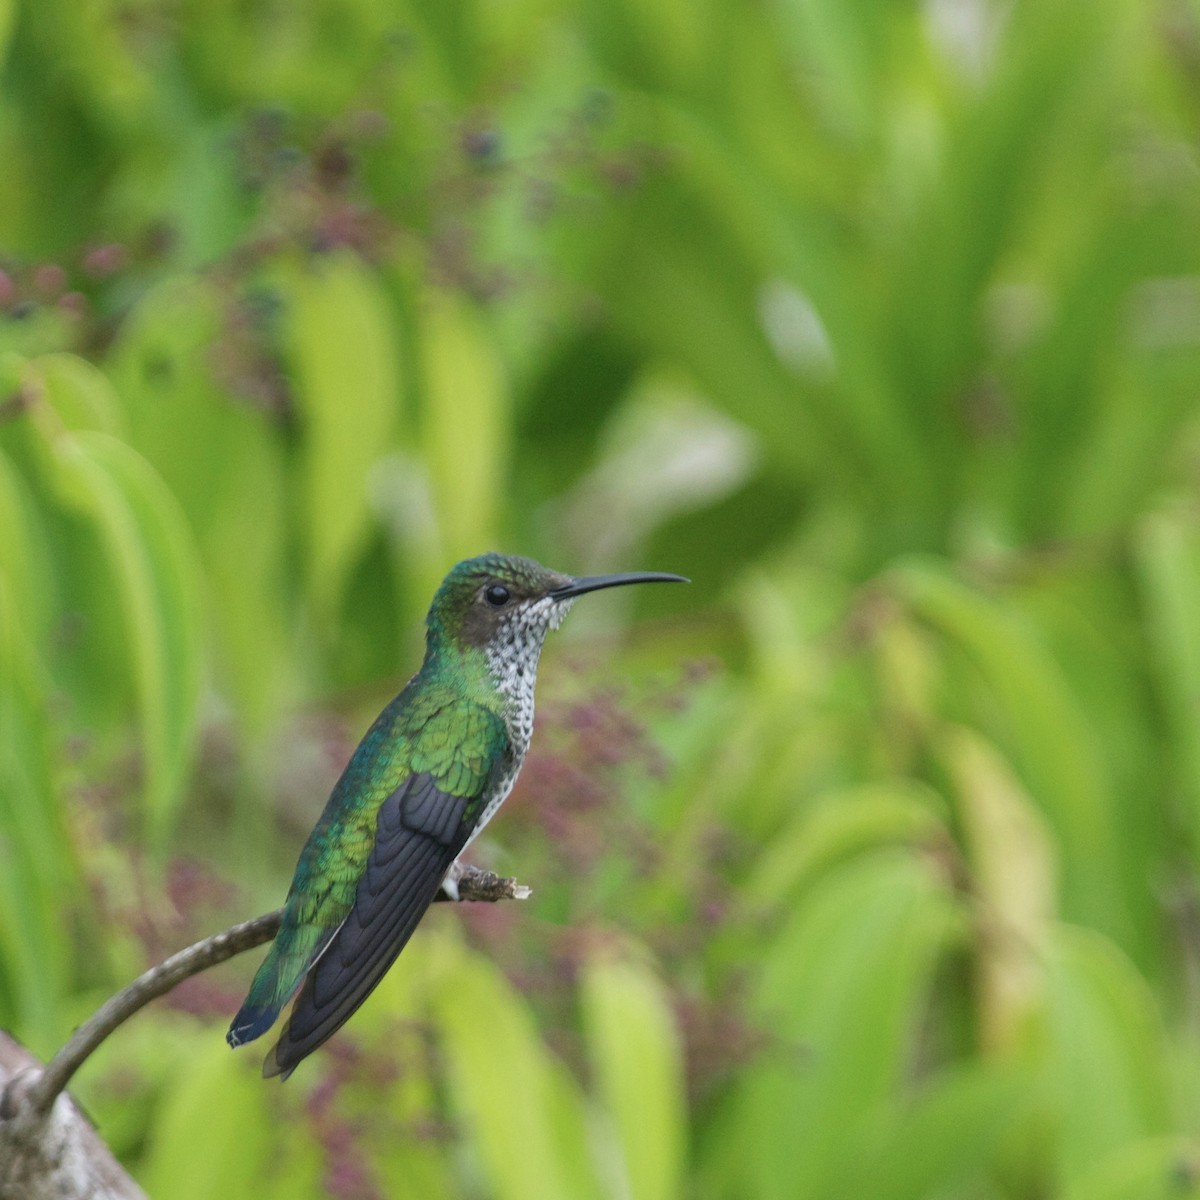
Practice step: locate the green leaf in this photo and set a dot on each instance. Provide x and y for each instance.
(1052, 744)
(79, 393)
(840, 993)
(23, 558)
(1107, 1055)
(1162, 1168)
(36, 856)
(465, 419)
(343, 350)
(839, 826)
(244, 544)
(32, 961)
(31, 813)
(1013, 874)
(653, 44)
(844, 47)
(1167, 545)
(183, 422)
(515, 1100)
(8, 17)
(211, 1134)
(945, 1139)
(154, 569)
(637, 1058)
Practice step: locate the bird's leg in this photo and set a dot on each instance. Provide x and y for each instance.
(450, 883)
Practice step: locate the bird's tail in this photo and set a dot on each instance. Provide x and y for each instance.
(278, 979)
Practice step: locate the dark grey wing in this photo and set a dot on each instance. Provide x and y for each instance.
(418, 834)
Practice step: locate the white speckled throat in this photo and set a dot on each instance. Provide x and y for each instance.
(512, 659)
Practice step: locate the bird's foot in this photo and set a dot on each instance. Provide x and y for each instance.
(464, 881)
(450, 883)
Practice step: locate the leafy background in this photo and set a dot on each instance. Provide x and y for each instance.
(867, 865)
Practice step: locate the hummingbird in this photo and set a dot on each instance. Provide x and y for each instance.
(426, 778)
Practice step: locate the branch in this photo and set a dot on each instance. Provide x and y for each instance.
(58, 1156)
(146, 987)
(27, 1097)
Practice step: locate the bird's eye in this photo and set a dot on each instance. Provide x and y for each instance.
(496, 595)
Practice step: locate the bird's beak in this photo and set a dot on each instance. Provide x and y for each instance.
(593, 583)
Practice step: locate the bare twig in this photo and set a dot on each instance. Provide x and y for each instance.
(473, 884)
(146, 987)
(56, 1156)
(29, 1114)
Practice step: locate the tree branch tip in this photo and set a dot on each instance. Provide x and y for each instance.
(15, 1094)
(40, 1089)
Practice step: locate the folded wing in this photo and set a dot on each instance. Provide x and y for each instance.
(420, 830)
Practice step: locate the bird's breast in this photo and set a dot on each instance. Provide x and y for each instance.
(513, 667)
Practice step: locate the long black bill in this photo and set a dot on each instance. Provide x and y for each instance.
(593, 583)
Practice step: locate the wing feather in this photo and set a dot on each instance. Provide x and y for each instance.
(420, 830)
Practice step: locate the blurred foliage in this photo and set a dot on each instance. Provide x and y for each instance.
(866, 866)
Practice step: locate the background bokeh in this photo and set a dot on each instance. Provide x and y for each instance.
(864, 867)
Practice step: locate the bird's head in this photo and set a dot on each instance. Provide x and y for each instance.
(503, 603)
